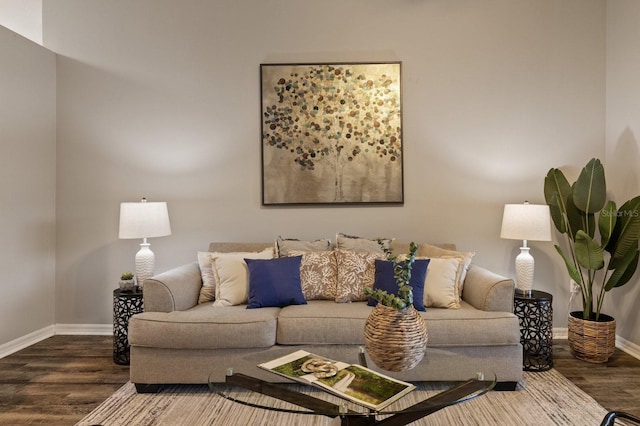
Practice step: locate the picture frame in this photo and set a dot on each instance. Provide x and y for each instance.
(331, 133)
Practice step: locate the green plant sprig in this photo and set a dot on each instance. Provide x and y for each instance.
(126, 276)
(402, 275)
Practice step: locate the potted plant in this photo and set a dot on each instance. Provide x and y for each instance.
(395, 334)
(127, 282)
(603, 252)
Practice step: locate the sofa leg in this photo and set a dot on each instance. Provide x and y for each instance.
(506, 386)
(147, 388)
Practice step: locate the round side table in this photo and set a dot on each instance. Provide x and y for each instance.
(535, 314)
(125, 305)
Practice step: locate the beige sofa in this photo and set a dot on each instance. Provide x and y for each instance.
(177, 340)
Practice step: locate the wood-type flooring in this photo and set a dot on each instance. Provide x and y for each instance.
(61, 379)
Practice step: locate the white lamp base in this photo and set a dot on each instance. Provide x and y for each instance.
(145, 262)
(524, 271)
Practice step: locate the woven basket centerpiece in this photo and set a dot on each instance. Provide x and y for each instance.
(592, 341)
(396, 340)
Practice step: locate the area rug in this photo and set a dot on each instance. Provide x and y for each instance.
(545, 398)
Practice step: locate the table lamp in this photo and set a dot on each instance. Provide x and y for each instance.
(144, 220)
(525, 222)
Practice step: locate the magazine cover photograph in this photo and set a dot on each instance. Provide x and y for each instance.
(352, 382)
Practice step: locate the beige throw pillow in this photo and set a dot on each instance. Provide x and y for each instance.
(440, 289)
(208, 289)
(285, 246)
(232, 276)
(352, 243)
(318, 274)
(356, 270)
(428, 250)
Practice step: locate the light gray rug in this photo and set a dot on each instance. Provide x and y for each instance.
(546, 398)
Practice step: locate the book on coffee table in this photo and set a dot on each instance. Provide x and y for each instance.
(349, 381)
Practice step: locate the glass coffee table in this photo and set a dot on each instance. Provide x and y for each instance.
(308, 400)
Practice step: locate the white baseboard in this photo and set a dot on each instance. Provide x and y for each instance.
(85, 329)
(561, 333)
(26, 341)
(52, 330)
(628, 347)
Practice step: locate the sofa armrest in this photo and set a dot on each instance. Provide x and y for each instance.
(488, 291)
(174, 290)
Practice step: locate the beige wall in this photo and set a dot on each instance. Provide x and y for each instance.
(161, 99)
(623, 138)
(27, 186)
(23, 17)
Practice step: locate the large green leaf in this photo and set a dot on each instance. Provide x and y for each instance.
(571, 267)
(607, 222)
(575, 218)
(558, 217)
(623, 273)
(588, 224)
(626, 232)
(589, 254)
(556, 192)
(590, 189)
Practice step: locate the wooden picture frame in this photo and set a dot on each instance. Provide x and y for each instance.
(331, 133)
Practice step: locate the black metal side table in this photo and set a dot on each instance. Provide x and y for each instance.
(125, 305)
(535, 313)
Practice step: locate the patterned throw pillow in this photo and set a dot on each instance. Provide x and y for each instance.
(318, 274)
(356, 270)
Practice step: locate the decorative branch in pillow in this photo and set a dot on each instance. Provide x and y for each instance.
(402, 275)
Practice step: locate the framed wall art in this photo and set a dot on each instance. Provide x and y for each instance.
(331, 133)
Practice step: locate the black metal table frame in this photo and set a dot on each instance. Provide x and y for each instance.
(125, 305)
(447, 398)
(535, 314)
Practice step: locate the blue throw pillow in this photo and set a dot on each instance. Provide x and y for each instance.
(274, 282)
(386, 281)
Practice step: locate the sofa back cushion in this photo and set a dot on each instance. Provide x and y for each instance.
(227, 247)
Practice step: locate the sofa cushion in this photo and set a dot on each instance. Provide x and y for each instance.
(469, 326)
(325, 322)
(274, 282)
(385, 280)
(205, 327)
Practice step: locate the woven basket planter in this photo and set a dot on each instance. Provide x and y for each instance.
(395, 340)
(592, 341)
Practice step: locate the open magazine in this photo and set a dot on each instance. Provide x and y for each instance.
(349, 381)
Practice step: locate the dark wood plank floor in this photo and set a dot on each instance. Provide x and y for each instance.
(61, 379)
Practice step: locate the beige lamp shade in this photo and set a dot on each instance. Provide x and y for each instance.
(526, 222)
